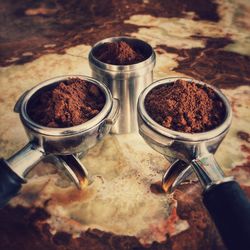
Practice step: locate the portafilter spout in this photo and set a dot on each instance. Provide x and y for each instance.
(224, 199)
(177, 172)
(205, 167)
(23, 161)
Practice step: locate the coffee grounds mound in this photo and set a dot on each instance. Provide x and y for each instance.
(185, 107)
(70, 103)
(119, 53)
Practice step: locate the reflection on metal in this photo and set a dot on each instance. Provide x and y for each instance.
(192, 152)
(175, 174)
(125, 81)
(75, 169)
(62, 142)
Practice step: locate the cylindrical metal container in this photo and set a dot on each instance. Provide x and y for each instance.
(125, 81)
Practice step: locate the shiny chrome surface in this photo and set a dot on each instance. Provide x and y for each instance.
(192, 137)
(208, 171)
(75, 170)
(183, 146)
(73, 139)
(125, 81)
(63, 142)
(175, 174)
(63, 131)
(23, 160)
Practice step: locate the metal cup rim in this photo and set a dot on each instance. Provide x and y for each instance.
(121, 68)
(68, 131)
(192, 137)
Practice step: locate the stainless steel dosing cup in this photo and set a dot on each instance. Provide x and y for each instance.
(62, 143)
(125, 81)
(193, 152)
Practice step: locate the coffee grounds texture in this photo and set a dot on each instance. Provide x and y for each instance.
(185, 107)
(70, 103)
(119, 53)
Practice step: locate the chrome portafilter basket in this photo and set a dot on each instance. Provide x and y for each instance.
(194, 153)
(62, 143)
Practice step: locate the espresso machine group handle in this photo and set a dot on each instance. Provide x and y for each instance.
(10, 183)
(230, 210)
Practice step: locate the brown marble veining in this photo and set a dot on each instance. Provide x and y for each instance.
(207, 40)
(32, 29)
(212, 64)
(32, 224)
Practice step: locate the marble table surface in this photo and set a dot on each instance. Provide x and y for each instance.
(123, 207)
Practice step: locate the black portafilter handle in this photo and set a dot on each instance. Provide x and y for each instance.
(10, 183)
(230, 210)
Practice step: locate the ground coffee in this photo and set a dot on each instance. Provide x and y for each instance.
(185, 107)
(119, 53)
(70, 103)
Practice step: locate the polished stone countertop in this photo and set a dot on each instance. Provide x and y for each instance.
(123, 207)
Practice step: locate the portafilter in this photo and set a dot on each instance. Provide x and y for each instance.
(63, 143)
(194, 152)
